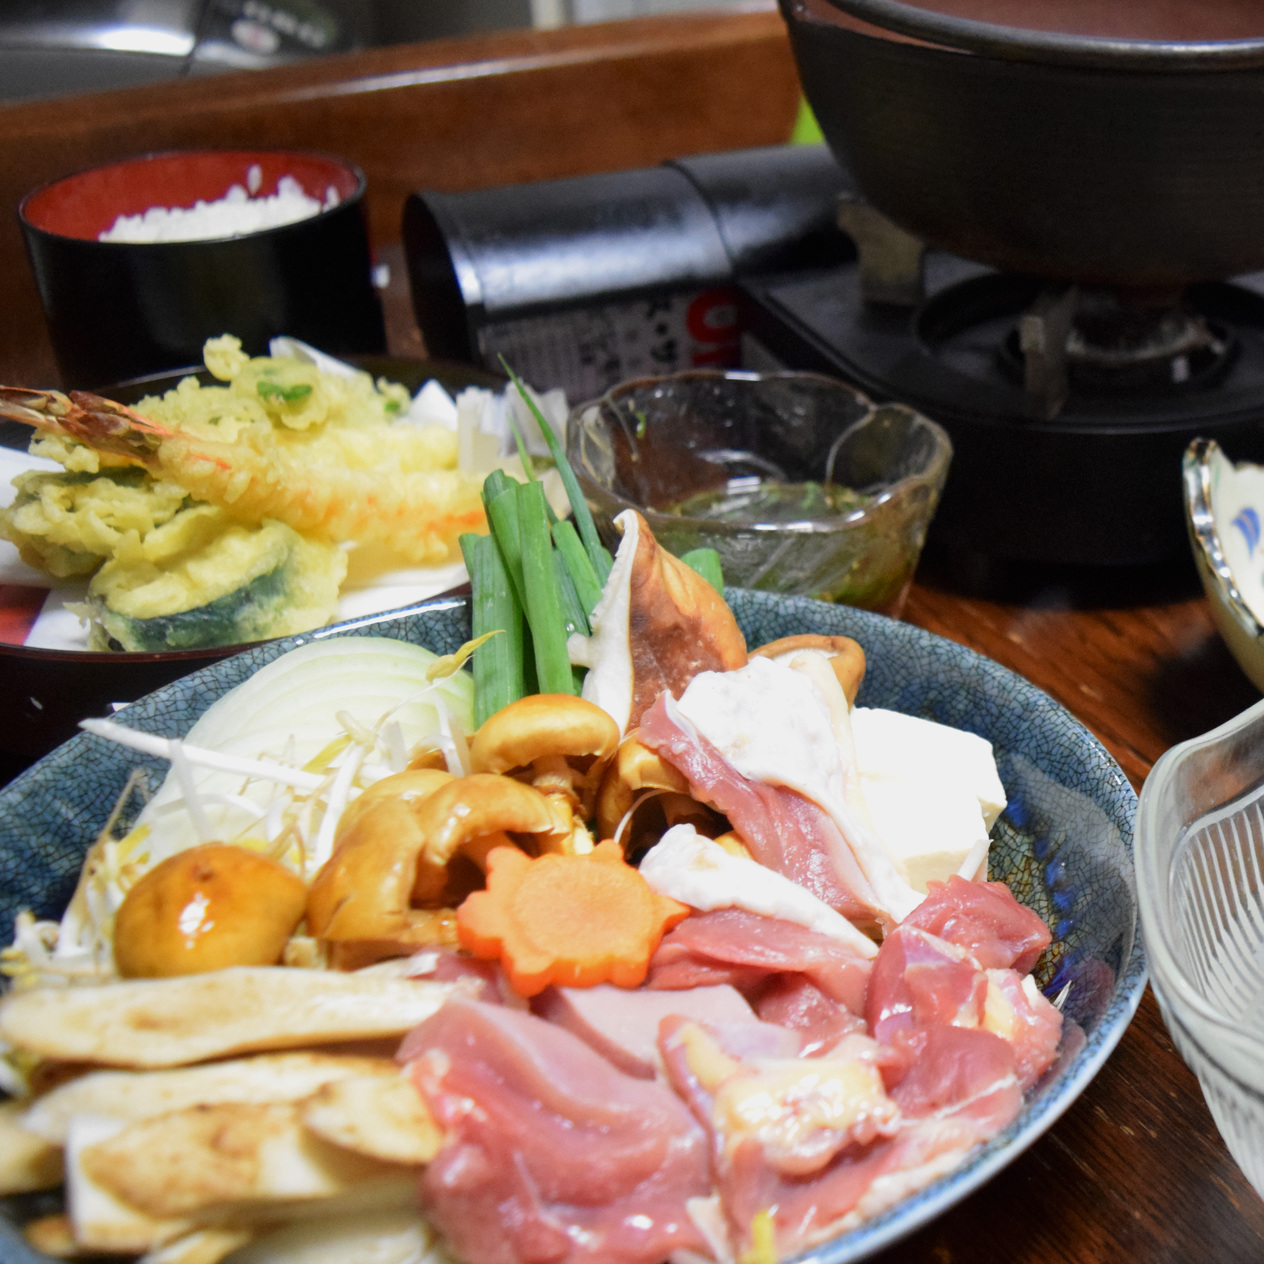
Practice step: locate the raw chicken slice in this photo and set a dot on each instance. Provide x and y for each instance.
(622, 1025)
(819, 1155)
(793, 1001)
(552, 1154)
(920, 980)
(783, 830)
(964, 1074)
(800, 1112)
(773, 725)
(986, 920)
(1015, 1010)
(732, 946)
(921, 984)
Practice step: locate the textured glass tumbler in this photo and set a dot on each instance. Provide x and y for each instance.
(1200, 888)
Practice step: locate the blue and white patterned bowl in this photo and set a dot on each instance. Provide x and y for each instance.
(1224, 510)
(1064, 843)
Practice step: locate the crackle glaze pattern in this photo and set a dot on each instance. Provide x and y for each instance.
(1064, 843)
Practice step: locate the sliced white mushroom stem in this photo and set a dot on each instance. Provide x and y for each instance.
(680, 809)
(556, 775)
(634, 768)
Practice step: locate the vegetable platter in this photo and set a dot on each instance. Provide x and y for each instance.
(1063, 842)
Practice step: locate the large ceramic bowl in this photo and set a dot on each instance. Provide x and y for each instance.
(802, 484)
(1064, 843)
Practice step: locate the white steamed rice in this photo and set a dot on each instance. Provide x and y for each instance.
(234, 215)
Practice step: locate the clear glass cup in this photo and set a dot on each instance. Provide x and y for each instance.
(1200, 893)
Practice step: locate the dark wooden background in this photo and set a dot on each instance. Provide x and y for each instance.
(446, 115)
(1135, 1171)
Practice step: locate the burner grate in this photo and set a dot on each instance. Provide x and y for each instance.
(1095, 481)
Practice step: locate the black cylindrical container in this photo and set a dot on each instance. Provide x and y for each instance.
(584, 282)
(775, 207)
(118, 310)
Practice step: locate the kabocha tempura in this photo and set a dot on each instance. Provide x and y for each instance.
(632, 971)
(217, 514)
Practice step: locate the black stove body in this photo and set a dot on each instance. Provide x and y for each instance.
(1054, 461)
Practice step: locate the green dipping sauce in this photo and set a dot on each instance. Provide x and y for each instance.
(756, 500)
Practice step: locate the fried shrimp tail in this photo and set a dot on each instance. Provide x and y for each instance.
(418, 513)
(100, 423)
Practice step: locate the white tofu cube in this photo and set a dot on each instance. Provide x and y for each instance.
(933, 793)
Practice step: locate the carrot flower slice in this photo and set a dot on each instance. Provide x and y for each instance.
(571, 920)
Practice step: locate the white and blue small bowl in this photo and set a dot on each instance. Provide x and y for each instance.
(1224, 508)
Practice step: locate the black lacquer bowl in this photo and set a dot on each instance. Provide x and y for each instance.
(116, 310)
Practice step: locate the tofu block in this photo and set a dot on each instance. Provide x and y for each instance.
(891, 744)
(933, 793)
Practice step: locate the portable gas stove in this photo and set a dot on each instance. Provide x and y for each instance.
(1069, 409)
(1111, 144)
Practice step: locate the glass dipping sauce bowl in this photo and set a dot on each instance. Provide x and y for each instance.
(800, 482)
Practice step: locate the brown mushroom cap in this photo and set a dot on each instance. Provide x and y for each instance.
(207, 908)
(558, 743)
(394, 851)
(364, 890)
(543, 726)
(468, 808)
(359, 904)
(410, 787)
(471, 815)
(846, 656)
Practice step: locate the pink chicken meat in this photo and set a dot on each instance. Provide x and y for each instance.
(552, 1153)
(783, 830)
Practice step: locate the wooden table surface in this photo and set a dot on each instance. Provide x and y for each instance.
(1135, 1171)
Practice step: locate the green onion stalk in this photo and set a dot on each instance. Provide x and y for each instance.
(536, 580)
